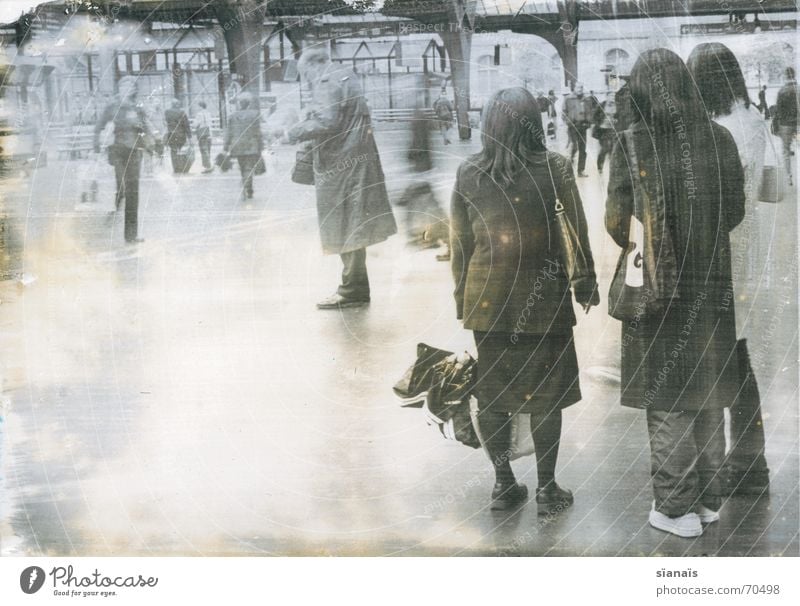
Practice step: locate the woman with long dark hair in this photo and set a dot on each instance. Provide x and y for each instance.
(723, 91)
(676, 177)
(512, 290)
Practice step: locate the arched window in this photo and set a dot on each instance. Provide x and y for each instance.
(617, 61)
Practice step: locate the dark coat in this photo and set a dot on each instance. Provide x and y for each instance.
(352, 204)
(178, 128)
(243, 135)
(131, 128)
(685, 358)
(505, 249)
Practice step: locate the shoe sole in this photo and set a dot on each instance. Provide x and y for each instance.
(683, 535)
(343, 305)
(708, 518)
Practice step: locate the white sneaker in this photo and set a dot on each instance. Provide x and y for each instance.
(686, 526)
(706, 515)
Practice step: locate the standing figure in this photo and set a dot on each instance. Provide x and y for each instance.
(443, 110)
(676, 177)
(577, 116)
(552, 114)
(605, 128)
(786, 117)
(352, 203)
(243, 140)
(513, 292)
(203, 133)
(178, 133)
(763, 107)
(724, 94)
(131, 134)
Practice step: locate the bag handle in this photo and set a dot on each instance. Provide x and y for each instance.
(559, 206)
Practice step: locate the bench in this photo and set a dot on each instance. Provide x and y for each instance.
(399, 114)
(75, 144)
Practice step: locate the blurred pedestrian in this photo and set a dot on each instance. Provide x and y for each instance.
(675, 177)
(443, 110)
(786, 117)
(202, 131)
(763, 106)
(132, 135)
(577, 115)
(352, 203)
(723, 91)
(244, 141)
(179, 132)
(512, 288)
(605, 128)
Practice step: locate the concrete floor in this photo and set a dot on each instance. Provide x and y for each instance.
(185, 397)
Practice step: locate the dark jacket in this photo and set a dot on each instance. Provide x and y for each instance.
(131, 129)
(178, 128)
(243, 135)
(684, 358)
(505, 250)
(352, 204)
(786, 105)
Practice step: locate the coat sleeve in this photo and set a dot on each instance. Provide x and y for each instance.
(584, 287)
(732, 179)
(325, 115)
(619, 203)
(462, 244)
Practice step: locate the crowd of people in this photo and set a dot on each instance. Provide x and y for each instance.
(684, 148)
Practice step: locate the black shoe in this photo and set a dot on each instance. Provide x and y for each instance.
(337, 301)
(506, 496)
(134, 241)
(753, 484)
(552, 499)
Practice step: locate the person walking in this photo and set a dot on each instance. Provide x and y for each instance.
(763, 106)
(786, 117)
(605, 128)
(352, 203)
(676, 177)
(132, 135)
(443, 109)
(178, 133)
(202, 130)
(512, 291)
(244, 141)
(722, 88)
(577, 115)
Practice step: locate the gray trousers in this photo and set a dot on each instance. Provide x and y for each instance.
(687, 450)
(355, 282)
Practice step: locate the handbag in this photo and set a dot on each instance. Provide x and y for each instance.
(303, 171)
(646, 274)
(577, 261)
(771, 188)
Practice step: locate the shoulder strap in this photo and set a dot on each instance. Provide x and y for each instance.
(559, 206)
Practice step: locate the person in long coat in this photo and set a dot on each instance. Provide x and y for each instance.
(132, 136)
(179, 131)
(680, 365)
(352, 202)
(722, 87)
(512, 290)
(243, 140)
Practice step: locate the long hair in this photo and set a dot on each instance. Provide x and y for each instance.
(718, 77)
(511, 133)
(663, 93)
